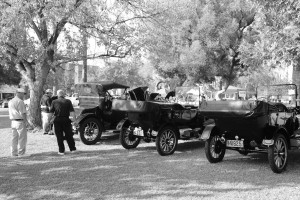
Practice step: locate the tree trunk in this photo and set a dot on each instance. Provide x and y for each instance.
(295, 77)
(85, 47)
(36, 92)
(222, 86)
(55, 86)
(35, 109)
(189, 81)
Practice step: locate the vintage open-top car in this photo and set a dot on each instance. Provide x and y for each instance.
(268, 124)
(162, 121)
(95, 102)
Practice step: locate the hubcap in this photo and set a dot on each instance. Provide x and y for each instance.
(91, 131)
(130, 139)
(280, 153)
(167, 141)
(215, 147)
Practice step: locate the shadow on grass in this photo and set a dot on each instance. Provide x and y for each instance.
(139, 174)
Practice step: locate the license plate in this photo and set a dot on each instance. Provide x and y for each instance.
(138, 132)
(234, 143)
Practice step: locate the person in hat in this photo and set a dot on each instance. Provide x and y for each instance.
(46, 114)
(62, 108)
(18, 117)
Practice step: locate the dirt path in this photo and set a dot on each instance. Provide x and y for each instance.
(107, 171)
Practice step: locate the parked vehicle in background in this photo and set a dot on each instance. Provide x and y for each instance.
(74, 99)
(4, 102)
(268, 125)
(7, 92)
(160, 121)
(96, 115)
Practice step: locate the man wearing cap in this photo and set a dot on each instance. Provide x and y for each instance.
(62, 108)
(46, 114)
(17, 115)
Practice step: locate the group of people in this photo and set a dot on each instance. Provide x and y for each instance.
(54, 110)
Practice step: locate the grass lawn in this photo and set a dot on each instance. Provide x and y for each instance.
(108, 171)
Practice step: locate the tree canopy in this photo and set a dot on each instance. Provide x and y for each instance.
(38, 36)
(188, 41)
(203, 40)
(9, 75)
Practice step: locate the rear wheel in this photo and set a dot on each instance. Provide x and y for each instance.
(278, 154)
(90, 131)
(214, 149)
(127, 139)
(166, 141)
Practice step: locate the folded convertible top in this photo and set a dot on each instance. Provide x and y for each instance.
(213, 109)
(143, 106)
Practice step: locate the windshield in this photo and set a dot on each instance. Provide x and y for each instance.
(117, 93)
(285, 93)
(88, 89)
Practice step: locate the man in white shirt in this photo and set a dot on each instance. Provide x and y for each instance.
(17, 115)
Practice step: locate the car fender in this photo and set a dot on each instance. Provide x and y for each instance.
(207, 131)
(169, 124)
(124, 122)
(84, 116)
(270, 141)
(285, 132)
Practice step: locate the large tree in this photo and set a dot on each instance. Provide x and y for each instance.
(128, 72)
(273, 41)
(37, 36)
(203, 40)
(9, 75)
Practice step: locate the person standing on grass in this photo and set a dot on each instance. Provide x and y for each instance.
(17, 115)
(62, 108)
(46, 114)
(51, 129)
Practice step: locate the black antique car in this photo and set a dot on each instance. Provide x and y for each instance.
(164, 122)
(95, 102)
(268, 125)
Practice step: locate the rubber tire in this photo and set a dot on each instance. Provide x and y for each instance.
(123, 142)
(271, 151)
(208, 153)
(82, 128)
(159, 138)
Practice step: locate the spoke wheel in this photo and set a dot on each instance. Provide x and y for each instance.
(278, 154)
(90, 131)
(166, 141)
(127, 139)
(214, 149)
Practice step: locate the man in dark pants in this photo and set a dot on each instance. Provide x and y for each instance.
(62, 108)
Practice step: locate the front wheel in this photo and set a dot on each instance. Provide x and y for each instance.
(90, 131)
(214, 149)
(166, 141)
(278, 154)
(127, 139)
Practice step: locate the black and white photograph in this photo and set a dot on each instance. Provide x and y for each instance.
(149, 99)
